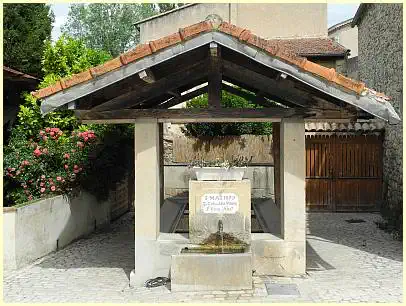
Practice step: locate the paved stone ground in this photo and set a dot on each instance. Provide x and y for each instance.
(346, 263)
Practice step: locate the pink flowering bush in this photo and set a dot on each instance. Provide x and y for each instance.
(49, 163)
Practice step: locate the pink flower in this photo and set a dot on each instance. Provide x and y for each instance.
(53, 188)
(30, 197)
(44, 138)
(41, 133)
(75, 167)
(80, 144)
(43, 177)
(66, 167)
(76, 171)
(67, 156)
(45, 151)
(86, 138)
(73, 150)
(47, 129)
(52, 134)
(58, 178)
(42, 184)
(42, 190)
(25, 186)
(37, 152)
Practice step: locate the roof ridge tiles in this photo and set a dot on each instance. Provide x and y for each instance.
(212, 23)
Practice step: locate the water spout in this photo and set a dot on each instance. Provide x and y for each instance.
(220, 230)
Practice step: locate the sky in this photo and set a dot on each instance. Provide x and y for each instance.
(335, 14)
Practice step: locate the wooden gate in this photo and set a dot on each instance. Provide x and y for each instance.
(343, 172)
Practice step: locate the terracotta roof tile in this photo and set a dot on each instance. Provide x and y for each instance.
(164, 42)
(230, 29)
(287, 50)
(314, 68)
(195, 29)
(106, 67)
(76, 79)
(48, 91)
(138, 52)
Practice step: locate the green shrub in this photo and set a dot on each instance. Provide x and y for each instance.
(221, 129)
(39, 164)
(49, 163)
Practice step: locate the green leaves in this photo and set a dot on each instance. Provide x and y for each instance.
(69, 56)
(26, 27)
(107, 26)
(222, 129)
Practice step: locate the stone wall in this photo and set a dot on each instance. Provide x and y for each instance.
(380, 67)
(177, 174)
(35, 230)
(268, 20)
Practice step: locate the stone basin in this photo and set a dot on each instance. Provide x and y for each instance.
(204, 268)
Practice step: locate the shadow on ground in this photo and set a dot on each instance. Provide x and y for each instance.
(114, 247)
(110, 247)
(364, 236)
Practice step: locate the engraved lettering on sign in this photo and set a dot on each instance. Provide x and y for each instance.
(219, 203)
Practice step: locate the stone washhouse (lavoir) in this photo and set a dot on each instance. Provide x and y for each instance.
(142, 85)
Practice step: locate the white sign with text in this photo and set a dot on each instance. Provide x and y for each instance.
(219, 203)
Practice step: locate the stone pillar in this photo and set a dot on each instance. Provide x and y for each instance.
(293, 205)
(147, 199)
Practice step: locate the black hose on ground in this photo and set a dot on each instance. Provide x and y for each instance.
(157, 281)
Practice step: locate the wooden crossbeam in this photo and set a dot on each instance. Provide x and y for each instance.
(265, 84)
(214, 76)
(177, 100)
(185, 115)
(155, 89)
(247, 96)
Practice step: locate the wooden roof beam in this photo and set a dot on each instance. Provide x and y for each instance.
(183, 115)
(186, 97)
(214, 76)
(159, 87)
(266, 85)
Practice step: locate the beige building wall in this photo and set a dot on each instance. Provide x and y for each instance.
(269, 20)
(348, 37)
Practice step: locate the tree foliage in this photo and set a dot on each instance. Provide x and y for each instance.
(61, 59)
(26, 26)
(50, 154)
(223, 129)
(164, 7)
(107, 26)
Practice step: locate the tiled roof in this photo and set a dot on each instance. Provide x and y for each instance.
(366, 126)
(311, 46)
(15, 73)
(339, 25)
(244, 35)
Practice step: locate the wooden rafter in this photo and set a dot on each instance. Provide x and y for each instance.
(186, 97)
(155, 89)
(266, 85)
(214, 75)
(247, 96)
